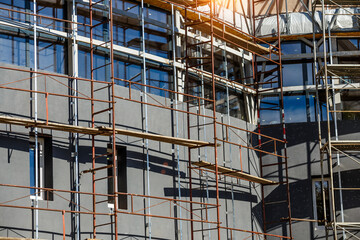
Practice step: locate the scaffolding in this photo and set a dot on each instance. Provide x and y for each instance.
(332, 78)
(103, 97)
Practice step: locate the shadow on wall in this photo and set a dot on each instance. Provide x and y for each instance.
(238, 195)
(6, 231)
(20, 142)
(304, 155)
(276, 209)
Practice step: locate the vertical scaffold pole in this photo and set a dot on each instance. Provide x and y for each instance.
(76, 135)
(36, 129)
(212, 13)
(145, 82)
(175, 82)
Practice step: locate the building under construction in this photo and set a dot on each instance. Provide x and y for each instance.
(179, 119)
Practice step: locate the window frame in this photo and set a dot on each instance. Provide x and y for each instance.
(45, 165)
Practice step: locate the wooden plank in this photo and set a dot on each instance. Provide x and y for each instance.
(191, 3)
(234, 173)
(343, 70)
(229, 34)
(105, 131)
(346, 145)
(310, 36)
(340, 2)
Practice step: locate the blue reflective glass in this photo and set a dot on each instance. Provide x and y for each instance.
(84, 64)
(295, 108)
(269, 110)
(295, 47)
(32, 170)
(159, 79)
(51, 57)
(13, 50)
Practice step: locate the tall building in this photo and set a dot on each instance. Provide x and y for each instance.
(179, 119)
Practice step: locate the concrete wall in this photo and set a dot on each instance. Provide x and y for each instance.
(241, 212)
(304, 167)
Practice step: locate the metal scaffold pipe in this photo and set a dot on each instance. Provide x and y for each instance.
(36, 129)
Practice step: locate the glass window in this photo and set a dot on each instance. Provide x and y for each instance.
(295, 108)
(350, 102)
(237, 105)
(234, 64)
(318, 200)
(132, 38)
(126, 6)
(313, 109)
(99, 62)
(269, 110)
(159, 79)
(269, 73)
(51, 56)
(83, 30)
(100, 31)
(84, 64)
(119, 71)
(32, 169)
(13, 50)
(133, 74)
(20, 51)
(51, 10)
(221, 100)
(295, 47)
(297, 74)
(156, 42)
(157, 15)
(193, 88)
(17, 5)
(44, 166)
(298, 107)
(348, 44)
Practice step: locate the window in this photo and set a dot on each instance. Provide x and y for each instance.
(348, 44)
(295, 47)
(17, 5)
(51, 56)
(101, 72)
(121, 177)
(269, 110)
(44, 8)
(45, 167)
(350, 102)
(295, 107)
(126, 6)
(318, 200)
(55, 10)
(19, 50)
(161, 80)
(13, 49)
(295, 74)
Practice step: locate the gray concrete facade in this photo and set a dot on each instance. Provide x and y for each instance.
(163, 171)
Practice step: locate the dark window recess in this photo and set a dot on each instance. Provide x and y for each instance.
(48, 168)
(45, 166)
(350, 102)
(121, 176)
(319, 201)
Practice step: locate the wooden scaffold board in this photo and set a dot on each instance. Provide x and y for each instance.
(234, 173)
(102, 130)
(228, 34)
